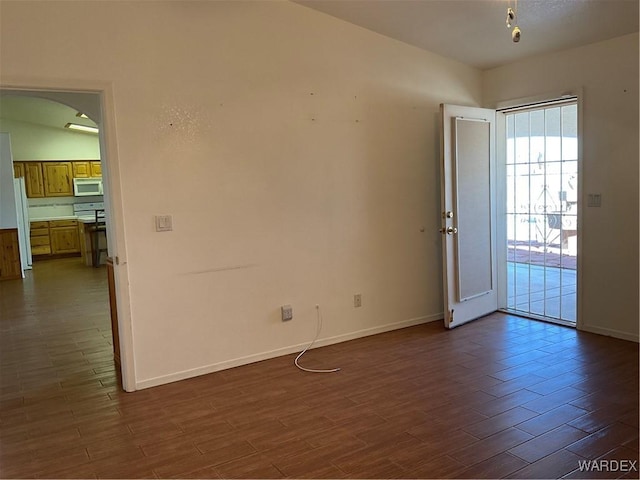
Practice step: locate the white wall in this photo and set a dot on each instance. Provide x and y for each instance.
(298, 155)
(608, 74)
(38, 142)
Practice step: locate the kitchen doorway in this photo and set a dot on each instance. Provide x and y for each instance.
(541, 154)
(92, 104)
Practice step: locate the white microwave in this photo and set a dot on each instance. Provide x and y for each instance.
(84, 187)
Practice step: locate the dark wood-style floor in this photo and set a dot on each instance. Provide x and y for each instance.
(500, 397)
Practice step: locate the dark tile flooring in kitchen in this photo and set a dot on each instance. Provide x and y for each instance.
(500, 397)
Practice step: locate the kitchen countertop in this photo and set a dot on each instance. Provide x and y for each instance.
(87, 219)
(59, 217)
(83, 219)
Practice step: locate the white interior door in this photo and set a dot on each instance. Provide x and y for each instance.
(468, 178)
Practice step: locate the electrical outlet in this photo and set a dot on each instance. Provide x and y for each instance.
(287, 312)
(357, 300)
(594, 200)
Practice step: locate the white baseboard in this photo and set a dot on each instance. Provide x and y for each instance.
(610, 333)
(236, 362)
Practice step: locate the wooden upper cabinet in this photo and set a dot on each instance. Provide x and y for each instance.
(18, 169)
(81, 169)
(86, 168)
(95, 169)
(58, 179)
(54, 179)
(33, 179)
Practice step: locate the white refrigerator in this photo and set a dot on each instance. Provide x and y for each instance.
(24, 227)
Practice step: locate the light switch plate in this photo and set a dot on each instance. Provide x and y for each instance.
(164, 223)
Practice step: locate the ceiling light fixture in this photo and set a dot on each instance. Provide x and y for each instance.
(511, 16)
(81, 128)
(515, 34)
(512, 21)
(81, 115)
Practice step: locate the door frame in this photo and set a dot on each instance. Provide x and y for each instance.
(48, 88)
(501, 194)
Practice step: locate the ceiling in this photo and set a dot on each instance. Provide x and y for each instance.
(474, 32)
(39, 111)
(470, 31)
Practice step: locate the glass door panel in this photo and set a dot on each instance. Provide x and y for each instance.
(542, 207)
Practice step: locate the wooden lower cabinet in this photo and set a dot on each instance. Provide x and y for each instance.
(64, 236)
(40, 239)
(10, 267)
(55, 237)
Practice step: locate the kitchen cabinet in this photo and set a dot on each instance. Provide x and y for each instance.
(95, 169)
(10, 268)
(55, 237)
(64, 236)
(33, 179)
(86, 168)
(54, 179)
(40, 240)
(58, 179)
(81, 169)
(18, 169)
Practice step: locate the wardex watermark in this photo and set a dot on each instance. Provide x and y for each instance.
(622, 466)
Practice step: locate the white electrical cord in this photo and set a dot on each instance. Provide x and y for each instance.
(312, 370)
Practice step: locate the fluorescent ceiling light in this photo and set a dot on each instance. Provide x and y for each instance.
(81, 115)
(82, 128)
